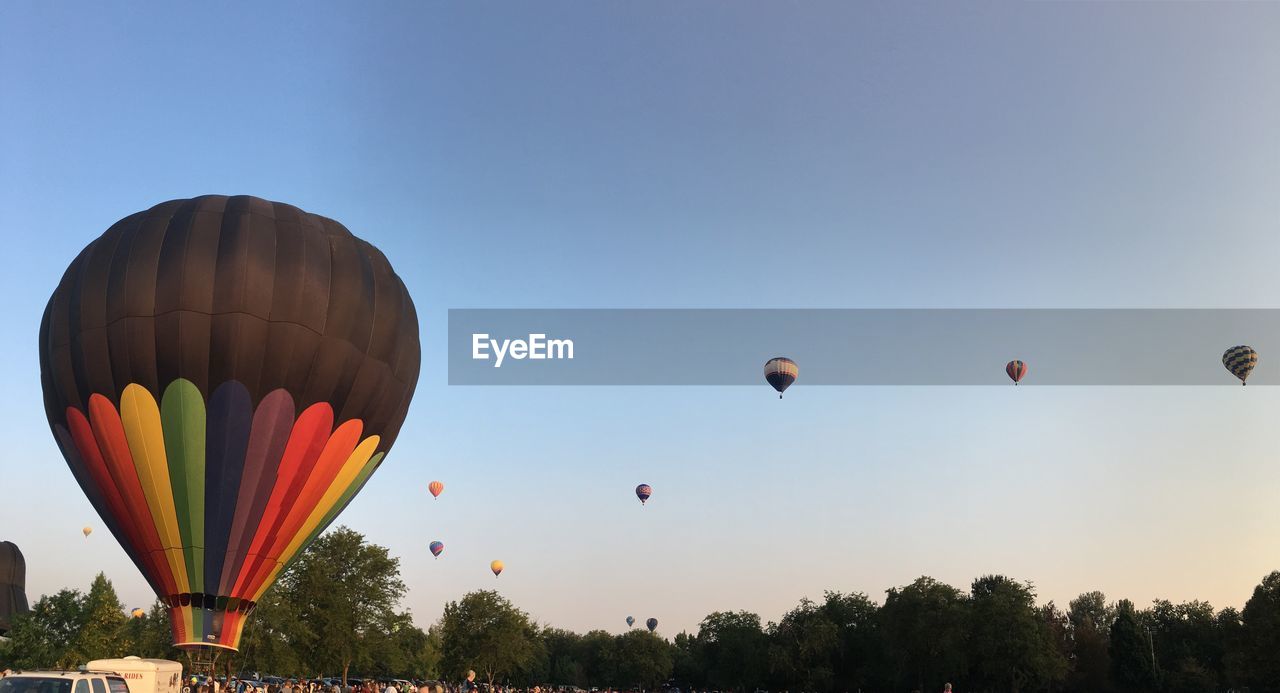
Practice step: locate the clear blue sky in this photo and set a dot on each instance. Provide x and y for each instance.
(708, 154)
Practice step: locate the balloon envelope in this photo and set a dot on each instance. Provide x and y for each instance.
(781, 372)
(631, 621)
(1240, 360)
(651, 624)
(87, 531)
(1016, 370)
(13, 584)
(222, 375)
(436, 488)
(437, 548)
(497, 567)
(137, 613)
(643, 491)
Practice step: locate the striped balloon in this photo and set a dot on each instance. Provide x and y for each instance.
(437, 548)
(436, 488)
(223, 375)
(1016, 370)
(781, 372)
(1240, 360)
(643, 491)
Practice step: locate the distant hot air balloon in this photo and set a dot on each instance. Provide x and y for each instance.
(437, 548)
(496, 567)
(1240, 360)
(137, 613)
(86, 531)
(1016, 370)
(643, 491)
(436, 488)
(223, 375)
(631, 621)
(652, 624)
(781, 372)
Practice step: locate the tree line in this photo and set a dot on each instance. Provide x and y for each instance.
(336, 612)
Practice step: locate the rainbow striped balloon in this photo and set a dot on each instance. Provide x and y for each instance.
(223, 375)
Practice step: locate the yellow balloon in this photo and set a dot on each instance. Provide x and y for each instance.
(496, 567)
(87, 531)
(138, 613)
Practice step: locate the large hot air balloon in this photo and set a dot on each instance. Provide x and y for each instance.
(13, 584)
(86, 531)
(1240, 360)
(631, 621)
(781, 372)
(496, 567)
(437, 548)
(436, 488)
(651, 624)
(643, 491)
(1016, 370)
(222, 375)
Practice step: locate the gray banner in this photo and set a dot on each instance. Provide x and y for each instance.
(856, 346)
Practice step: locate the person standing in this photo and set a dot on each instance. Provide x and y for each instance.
(469, 686)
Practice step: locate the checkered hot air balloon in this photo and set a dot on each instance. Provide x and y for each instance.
(1017, 370)
(1240, 360)
(781, 372)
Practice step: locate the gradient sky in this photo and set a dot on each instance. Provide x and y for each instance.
(706, 154)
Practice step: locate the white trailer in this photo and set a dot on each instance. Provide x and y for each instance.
(143, 675)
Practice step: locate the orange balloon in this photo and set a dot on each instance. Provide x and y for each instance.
(496, 567)
(87, 531)
(436, 488)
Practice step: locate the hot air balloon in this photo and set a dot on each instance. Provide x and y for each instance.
(651, 624)
(1016, 370)
(437, 548)
(436, 488)
(643, 491)
(222, 375)
(781, 372)
(86, 531)
(137, 613)
(631, 621)
(1240, 360)
(13, 584)
(496, 567)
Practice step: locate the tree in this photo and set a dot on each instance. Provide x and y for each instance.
(924, 633)
(484, 632)
(102, 622)
(733, 650)
(1260, 632)
(859, 646)
(1130, 651)
(342, 594)
(644, 660)
(1091, 637)
(1009, 645)
(44, 638)
(804, 648)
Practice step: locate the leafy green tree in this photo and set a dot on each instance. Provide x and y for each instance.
(687, 670)
(803, 650)
(45, 637)
(600, 654)
(733, 650)
(1009, 644)
(485, 632)
(924, 627)
(1190, 648)
(341, 594)
(1090, 642)
(1235, 669)
(644, 659)
(859, 648)
(1261, 634)
(565, 661)
(1130, 651)
(102, 633)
